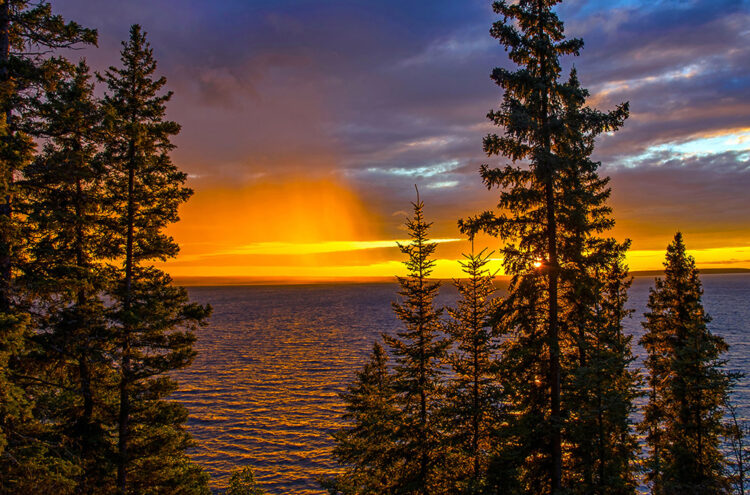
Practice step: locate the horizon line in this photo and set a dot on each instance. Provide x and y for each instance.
(247, 280)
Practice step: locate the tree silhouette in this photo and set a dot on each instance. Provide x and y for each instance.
(473, 396)
(28, 33)
(552, 214)
(366, 447)
(64, 186)
(154, 318)
(418, 351)
(687, 382)
(598, 385)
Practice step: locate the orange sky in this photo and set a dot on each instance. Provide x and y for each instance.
(305, 125)
(320, 229)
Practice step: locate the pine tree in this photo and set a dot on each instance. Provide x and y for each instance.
(687, 383)
(366, 446)
(154, 318)
(65, 192)
(418, 351)
(553, 212)
(473, 396)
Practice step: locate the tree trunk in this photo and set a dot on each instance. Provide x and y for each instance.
(124, 415)
(551, 268)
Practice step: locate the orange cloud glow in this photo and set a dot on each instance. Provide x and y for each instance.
(320, 229)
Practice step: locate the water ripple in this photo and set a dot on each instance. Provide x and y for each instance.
(263, 390)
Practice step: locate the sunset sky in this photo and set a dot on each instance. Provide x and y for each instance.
(306, 124)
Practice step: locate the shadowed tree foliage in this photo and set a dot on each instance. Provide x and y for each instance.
(28, 32)
(531, 357)
(472, 403)
(242, 482)
(418, 351)
(153, 319)
(602, 387)
(552, 213)
(598, 387)
(394, 442)
(64, 186)
(366, 447)
(687, 383)
(737, 433)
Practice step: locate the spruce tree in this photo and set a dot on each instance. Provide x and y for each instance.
(602, 389)
(64, 187)
(365, 447)
(153, 318)
(472, 403)
(418, 351)
(28, 32)
(598, 386)
(529, 114)
(687, 383)
(552, 216)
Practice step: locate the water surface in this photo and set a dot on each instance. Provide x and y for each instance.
(263, 390)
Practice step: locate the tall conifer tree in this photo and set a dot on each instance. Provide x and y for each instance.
(553, 212)
(418, 351)
(65, 194)
(598, 385)
(529, 114)
(28, 30)
(153, 317)
(472, 403)
(688, 385)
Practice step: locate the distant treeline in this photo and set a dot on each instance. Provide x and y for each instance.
(534, 392)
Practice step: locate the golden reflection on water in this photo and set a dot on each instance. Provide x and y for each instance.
(263, 390)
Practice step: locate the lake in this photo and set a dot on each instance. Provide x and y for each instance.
(263, 390)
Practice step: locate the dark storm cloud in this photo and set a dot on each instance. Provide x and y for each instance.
(381, 93)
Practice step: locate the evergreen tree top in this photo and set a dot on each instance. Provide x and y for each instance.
(134, 91)
(535, 30)
(678, 265)
(681, 288)
(420, 249)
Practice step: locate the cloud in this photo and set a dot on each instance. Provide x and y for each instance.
(704, 195)
(381, 95)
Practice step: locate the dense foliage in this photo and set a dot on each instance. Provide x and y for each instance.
(564, 363)
(89, 329)
(152, 319)
(31, 458)
(539, 388)
(687, 384)
(472, 406)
